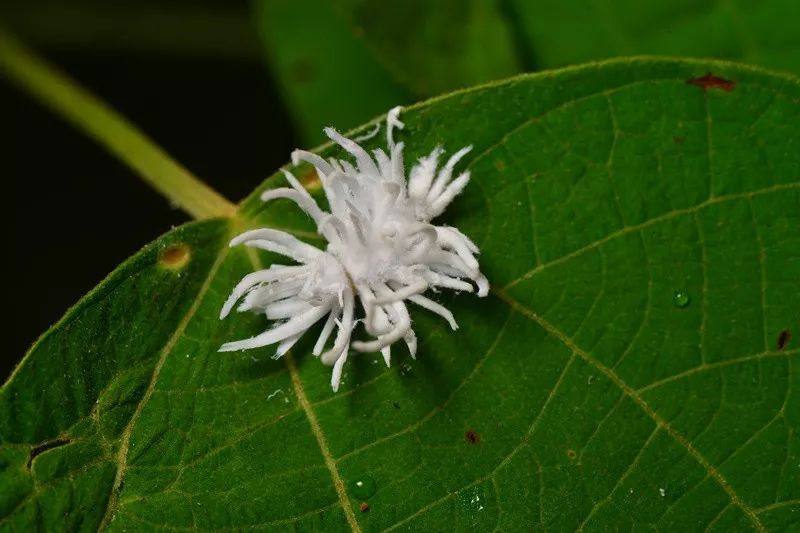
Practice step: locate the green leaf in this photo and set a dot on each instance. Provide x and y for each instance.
(325, 73)
(434, 47)
(581, 392)
(354, 59)
(567, 32)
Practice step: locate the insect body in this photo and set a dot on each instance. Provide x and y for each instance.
(382, 250)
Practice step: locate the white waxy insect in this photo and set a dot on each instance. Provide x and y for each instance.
(382, 250)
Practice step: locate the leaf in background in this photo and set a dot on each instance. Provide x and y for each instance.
(353, 59)
(763, 32)
(633, 366)
(435, 47)
(326, 74)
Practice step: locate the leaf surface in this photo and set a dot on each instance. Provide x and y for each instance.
(581, 393)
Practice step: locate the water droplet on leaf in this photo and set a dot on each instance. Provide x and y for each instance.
(472, 501)
(363, 487)
(406, 370)
(681, 298)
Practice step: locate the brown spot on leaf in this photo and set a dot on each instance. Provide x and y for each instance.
(709, 81)
(500, 165)
(472, 436)
(364, 507)
(396, 405)
(43, 447)
(175, 257)
(783, 338)
(678, 140)
(572, 454)
(310, 180)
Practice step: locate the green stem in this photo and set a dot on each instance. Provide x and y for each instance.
(110, 129)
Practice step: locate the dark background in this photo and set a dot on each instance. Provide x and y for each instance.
(72, 212)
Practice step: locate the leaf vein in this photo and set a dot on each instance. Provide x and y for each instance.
(628, 390)
(437, 408)
(122, 456)
(646, 224)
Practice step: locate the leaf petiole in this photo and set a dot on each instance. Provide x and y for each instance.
(89, 114)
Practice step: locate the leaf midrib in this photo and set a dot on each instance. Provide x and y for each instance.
(316, 429)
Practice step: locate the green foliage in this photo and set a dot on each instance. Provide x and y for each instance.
(434, 47)
(760, 32)
(355, 59)
(327, 76)
(584, 390)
